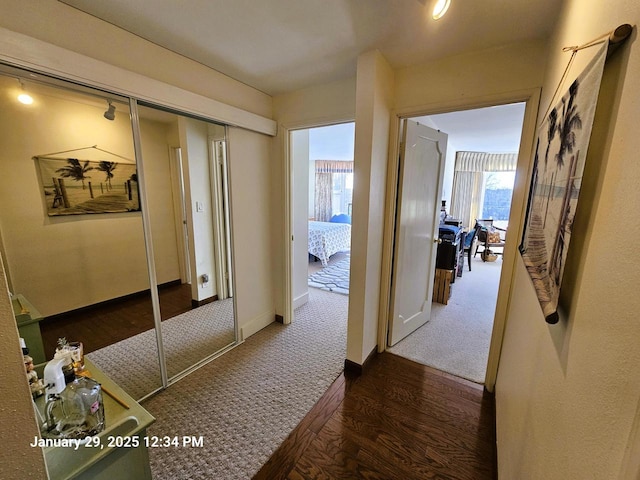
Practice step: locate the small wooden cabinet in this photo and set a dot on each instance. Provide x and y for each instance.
(442, 285)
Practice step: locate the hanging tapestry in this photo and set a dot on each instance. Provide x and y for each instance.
(74, 187)
(558, 165)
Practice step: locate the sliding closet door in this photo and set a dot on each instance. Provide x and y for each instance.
(71, 227)
(184, 162)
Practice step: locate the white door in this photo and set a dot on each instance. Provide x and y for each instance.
(421, 170)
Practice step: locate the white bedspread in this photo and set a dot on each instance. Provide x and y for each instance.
(326, 238)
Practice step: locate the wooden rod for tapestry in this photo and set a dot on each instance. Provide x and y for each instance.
(616, 37)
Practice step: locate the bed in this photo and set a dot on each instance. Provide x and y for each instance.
(327, 238)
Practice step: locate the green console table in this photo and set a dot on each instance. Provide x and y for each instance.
(28, 320)
(105, 459)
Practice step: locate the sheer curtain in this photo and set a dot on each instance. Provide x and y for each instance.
(467, 181)
(325, 169)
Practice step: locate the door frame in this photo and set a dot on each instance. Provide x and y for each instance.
(286, 130)
(531, 98)
(180, 213)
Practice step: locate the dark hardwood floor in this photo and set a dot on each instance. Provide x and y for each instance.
(399, 420)
(110, 322)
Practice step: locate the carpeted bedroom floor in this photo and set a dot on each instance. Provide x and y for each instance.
(456, 340)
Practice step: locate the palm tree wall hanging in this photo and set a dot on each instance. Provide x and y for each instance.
(71, 186)
(558, 166)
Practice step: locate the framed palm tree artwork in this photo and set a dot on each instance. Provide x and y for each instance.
(558, 166)
(71, 186)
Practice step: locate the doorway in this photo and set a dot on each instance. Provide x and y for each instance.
(458, 337)
(321, 174)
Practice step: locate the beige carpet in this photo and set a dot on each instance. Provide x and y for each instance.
(456, 339)
(187, 338)
(246, 402)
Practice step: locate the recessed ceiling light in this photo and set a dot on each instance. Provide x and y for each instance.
(440, 8)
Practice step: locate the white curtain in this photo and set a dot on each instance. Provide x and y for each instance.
(467, 181)
(465, 197)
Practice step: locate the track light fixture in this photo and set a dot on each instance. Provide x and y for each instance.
(24, 97)
(110, 114)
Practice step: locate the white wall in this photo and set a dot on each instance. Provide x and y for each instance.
(301, 191)
(568, 394)
(196, 160)
(374, 101)
(253, 218)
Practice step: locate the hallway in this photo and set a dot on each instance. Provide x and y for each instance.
(398, 420)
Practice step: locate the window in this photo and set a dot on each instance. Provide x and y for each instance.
(497, 190)
(342, 193)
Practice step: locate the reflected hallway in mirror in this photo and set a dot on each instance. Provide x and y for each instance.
(119, 241)
(71, 225)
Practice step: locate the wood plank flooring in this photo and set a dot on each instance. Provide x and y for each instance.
(399, 420)
(110, 322)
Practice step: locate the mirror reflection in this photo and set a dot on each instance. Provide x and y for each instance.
(70, 223)
(185, 173)
(72, 235)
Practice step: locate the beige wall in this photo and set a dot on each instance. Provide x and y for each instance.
(470, 79)
(156, 139)
(374, 102)
(17, 420)
(61, 263)
(568, 394)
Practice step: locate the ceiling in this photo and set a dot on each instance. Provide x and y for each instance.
(491, 129)
(279, 46)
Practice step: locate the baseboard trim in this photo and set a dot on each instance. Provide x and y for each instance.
(199, 303)
(353, 368)
(256, 324)
(111, 301)
(280, 319)
(301, 300)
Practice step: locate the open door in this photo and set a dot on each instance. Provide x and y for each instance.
(421, 170)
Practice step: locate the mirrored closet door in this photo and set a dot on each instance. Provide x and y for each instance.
(185, 172)
(114, 228)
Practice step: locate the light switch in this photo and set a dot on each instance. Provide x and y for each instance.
(199, 207)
